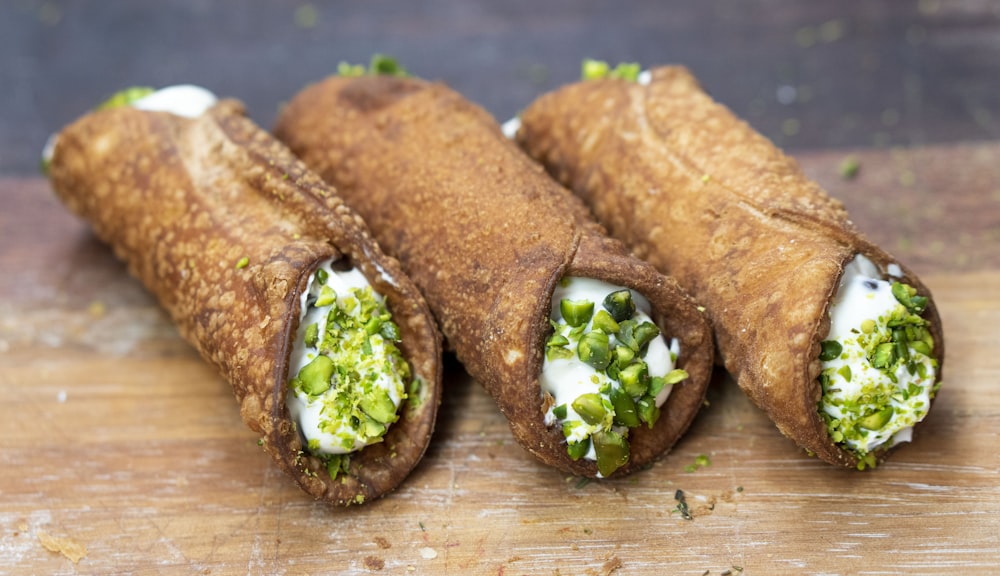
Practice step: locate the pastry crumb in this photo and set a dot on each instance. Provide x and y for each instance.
(66, 546)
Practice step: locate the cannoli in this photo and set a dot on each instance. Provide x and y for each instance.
(330, 349)
(837, 341)
(599, 362)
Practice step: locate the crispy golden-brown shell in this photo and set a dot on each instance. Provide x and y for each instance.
(703, 197)
(181, 201)
(486, 235)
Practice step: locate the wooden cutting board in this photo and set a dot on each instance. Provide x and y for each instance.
(122, 452)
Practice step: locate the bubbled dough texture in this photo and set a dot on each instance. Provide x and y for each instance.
(181, 201)
(485, 234)
(703, 197)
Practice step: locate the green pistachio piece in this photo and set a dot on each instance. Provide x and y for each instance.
(612, 451)
(315, 376)
(625, 409)
(322, 276)
(829, 350)
(335, 464)
(558, 352)
(676, 375)
(590, 407)
(126, 97)
(902, 350)
(559, 411)
(884, 355)
(373, 325)
(594, 69)
(379, 406)
(557, 340)
(593, 350)
(623, 355)
(626, 71)
(635, 379)
(390, 331)
(311, 335)
(576, 312)
(577, 450)
(845, 372)
(656, 385)
(907, 296)
(921, 347)
(326, 297)
(644, 334)
(648, 411)
(371, 428)
(876, 420)
(619, 303)
(604, 322)
(382, 65)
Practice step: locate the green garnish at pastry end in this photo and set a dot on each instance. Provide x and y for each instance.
(607, 370)
(380, 65)
(347, 377)
(878, 370)
(126, 97)
(597, 69)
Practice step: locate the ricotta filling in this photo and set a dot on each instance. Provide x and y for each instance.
(347, 377)
(878, 370)
(607, 368)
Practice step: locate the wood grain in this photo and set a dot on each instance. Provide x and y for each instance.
(115, 436)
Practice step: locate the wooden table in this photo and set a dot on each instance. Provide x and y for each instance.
(121, 449)
(124, 453)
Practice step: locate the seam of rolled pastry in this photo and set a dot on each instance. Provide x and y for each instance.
(226, 228)
(487, 237)
(694, 190)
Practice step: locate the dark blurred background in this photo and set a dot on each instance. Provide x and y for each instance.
(808, 74)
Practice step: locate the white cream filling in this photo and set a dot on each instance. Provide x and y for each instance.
(318, 420)
(511, 127)
(568, 378)
(863, 297)
(183, 100)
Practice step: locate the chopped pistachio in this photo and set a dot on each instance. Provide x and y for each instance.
(379, 406)
(648, 411)
(876, 420)
(849, 167)
(635, 379)
(604, 322)
(577, 450)
(594, 69)
(311, 335)
(242, 263)
(597, 69)
(612, 451)
(126, 97)
(676, 375)
(830, 349)
(619, 303)
(625, 408)
(907, 296)
(593, 349)
(326, 297)
(576, 312)
(560, 411)
(884, 355)
(645, 333)
(590, 407)
(315, 376)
